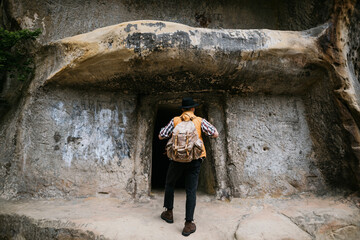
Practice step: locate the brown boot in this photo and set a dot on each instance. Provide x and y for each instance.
(167, 216)
(189, 228)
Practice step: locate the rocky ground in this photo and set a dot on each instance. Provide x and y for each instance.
(301, 217)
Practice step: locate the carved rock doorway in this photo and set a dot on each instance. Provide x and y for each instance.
(160, 161)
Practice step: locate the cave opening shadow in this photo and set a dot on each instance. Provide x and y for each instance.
(160, 161)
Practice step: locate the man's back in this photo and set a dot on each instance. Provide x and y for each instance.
(190, 169)
(190, 116)
(186, 143)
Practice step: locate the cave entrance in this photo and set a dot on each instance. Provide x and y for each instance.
(160, 162)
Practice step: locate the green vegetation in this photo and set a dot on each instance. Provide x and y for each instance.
(15, 58)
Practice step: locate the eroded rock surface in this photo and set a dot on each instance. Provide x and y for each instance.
(75, 127)
(270, 148)
(173, 57)
(269, 225)
(304, 217)
(286, 102)
(60, 19)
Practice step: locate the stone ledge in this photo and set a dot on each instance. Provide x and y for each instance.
(143, 55)
(14, 226)
(300, 217)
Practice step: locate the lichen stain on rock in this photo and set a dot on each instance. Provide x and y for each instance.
(129, 26)
(85, 144)
(98, 134)
(152, 42)
(159, 25)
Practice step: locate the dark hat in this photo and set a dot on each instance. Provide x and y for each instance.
(188, 102)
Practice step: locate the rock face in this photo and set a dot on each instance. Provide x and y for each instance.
(75, 127)
(286, 103)
(175, 58)
(270, 147)
(67, 18)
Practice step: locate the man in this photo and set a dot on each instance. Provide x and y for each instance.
(189, 169)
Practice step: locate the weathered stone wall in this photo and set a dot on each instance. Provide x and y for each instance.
(331, 148)
(8, 143)
(353, 56)
(80, 143)
(285, 102)
(73, 142)
(353, 47)
(269, 146)
(64, 18)
(341, 50)
(353, 60)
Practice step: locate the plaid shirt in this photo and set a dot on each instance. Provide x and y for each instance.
(206, 128)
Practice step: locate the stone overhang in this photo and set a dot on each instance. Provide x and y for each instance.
(156, 56)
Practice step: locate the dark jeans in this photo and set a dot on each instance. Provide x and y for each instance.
(191, 172)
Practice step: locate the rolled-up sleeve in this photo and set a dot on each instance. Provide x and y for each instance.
(166, 131)
(207, 128)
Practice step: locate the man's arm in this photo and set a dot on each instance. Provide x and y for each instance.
(209, 129)
(166, 131)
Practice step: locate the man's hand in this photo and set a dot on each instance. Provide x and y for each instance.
(160, 137)
(215, 135)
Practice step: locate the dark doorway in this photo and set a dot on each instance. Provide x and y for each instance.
(160, 161)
